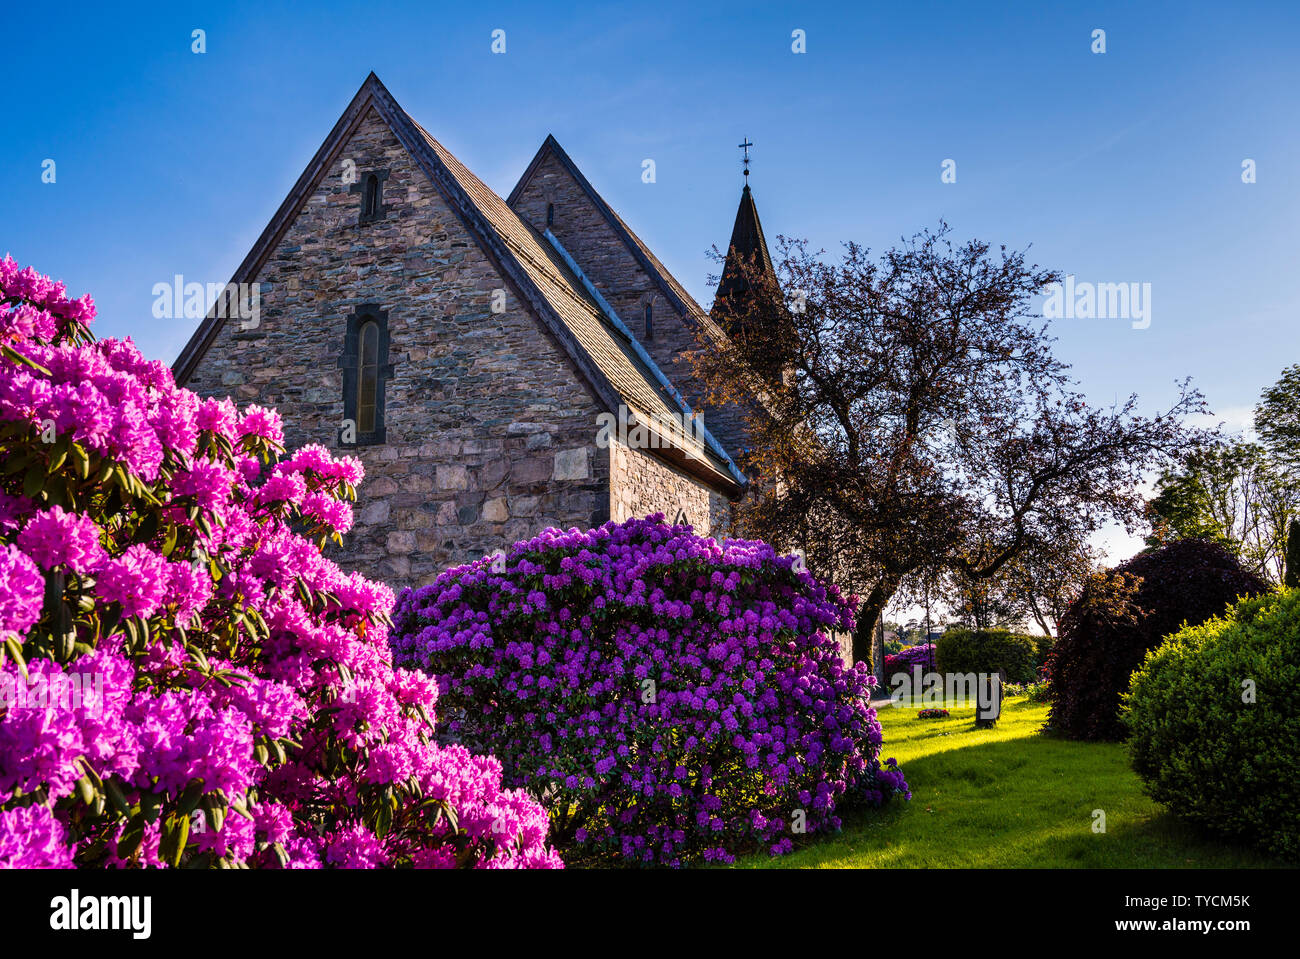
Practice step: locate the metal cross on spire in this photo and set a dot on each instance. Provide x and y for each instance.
(745, 146)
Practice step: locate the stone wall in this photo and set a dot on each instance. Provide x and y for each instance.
(642, 485)
(490, 431)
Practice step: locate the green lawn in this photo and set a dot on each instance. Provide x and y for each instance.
(1011, 796)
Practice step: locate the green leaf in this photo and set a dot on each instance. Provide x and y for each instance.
(17, 357)
(132, 836)
(64, 646)
(56, 459)
(148, 528)
(115, 797)
(80, 460)
(15, 648)
(33, 482)
(175, 836)
(85, 790)
(189, 800)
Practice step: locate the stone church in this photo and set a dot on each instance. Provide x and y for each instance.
(499, 365)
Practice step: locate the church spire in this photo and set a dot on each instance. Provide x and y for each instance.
(748, 247)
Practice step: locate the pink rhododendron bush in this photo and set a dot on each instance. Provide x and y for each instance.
(184, 678)
(670, 699)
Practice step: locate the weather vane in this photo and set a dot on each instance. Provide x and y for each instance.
(745, 146)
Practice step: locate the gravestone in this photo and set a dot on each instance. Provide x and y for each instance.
(988, 700)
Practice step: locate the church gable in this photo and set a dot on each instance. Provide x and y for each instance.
(489, 430)
(409, 317)
(553, 194)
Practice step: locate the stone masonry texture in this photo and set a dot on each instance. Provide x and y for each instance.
(490, 431)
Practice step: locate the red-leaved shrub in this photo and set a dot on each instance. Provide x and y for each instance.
(1125, 612)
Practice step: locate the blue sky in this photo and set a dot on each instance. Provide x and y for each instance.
(1117, 167)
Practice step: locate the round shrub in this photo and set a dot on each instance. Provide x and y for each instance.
(987, 651)
(184, 679)
(669, 699)
(1124, 613)
(1213, 717)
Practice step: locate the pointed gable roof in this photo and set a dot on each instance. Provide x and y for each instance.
(748, 245)
(675, 293)
(533, 267)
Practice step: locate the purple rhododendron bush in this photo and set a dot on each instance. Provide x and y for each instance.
(670, 699)
(184, 679)
(905, 660)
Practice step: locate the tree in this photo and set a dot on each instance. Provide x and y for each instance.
(1124, 613)
(1277, 420)
(1046, 580)
(912, 412)
(982, 604)
(1231, 493)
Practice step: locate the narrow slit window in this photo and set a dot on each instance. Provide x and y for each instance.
(370, 198)
(649, 321)
(550, 214)
(367, 376)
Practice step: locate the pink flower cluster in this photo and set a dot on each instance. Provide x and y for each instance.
(187, 679)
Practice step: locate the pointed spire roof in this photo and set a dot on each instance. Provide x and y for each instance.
(748, 245)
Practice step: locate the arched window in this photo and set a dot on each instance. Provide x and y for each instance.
(367, 375)
(649, 321)
(366, 370)
(550, 214)
(370, 198)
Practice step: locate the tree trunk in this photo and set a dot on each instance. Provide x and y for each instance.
(869, 634)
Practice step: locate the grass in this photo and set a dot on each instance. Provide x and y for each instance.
(1009, 797)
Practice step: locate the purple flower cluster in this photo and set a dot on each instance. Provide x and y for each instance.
(184, 678)
(669, 698)
(922, 655)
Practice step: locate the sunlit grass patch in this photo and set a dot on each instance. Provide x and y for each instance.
(1010, 796)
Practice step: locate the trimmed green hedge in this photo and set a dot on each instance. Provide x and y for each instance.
(987, 651)
(1213, 716)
